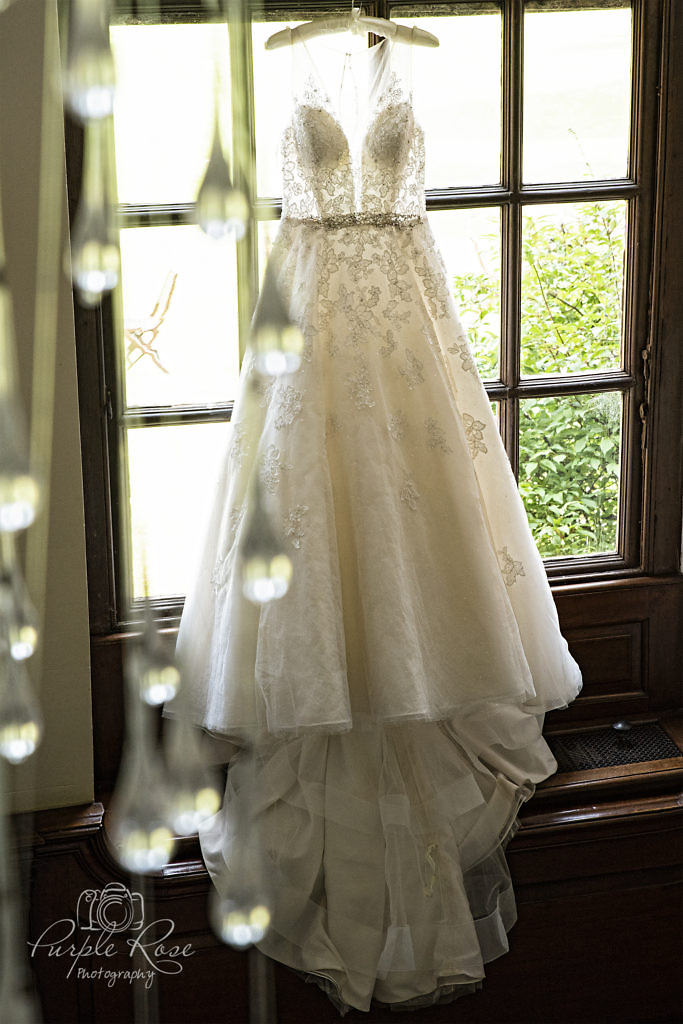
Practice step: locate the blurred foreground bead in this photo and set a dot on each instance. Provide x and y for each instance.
(194, 787)
(139, 832)
(95, 257)
(266, 569)
(276, 342)
(18, 620)
(190, 807)
(89, 77)
(151, 664)
(222, 210)
(21, 726)
(240, 921)
(19, 490)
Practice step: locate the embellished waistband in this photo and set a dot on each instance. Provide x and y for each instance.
(346, 220)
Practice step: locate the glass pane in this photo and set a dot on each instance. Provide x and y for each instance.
(470, 242)
(572, 284)
(163, 116)
(172, 473)
(569, 454)
(271, 104)
(179, 316)
(457, 94)
(577, 94)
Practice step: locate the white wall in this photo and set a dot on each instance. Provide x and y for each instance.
(61, 772)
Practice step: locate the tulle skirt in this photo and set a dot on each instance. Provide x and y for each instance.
(383, 850)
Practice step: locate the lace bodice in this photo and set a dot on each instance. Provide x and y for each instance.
(374, 172)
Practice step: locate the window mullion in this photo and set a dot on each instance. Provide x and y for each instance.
(511, 173)
(244, 163)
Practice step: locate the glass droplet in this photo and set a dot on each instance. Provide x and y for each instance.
(89, 77)
(21, 727)
(277, 342)
(238, 922)
(266, 578)
(222, 210)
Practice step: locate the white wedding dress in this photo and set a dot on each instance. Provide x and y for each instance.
(395, 695)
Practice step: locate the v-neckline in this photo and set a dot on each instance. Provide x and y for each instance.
(381, 51)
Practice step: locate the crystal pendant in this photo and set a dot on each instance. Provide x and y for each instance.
(95, 257)
(89, 77)
(222, 210)
(195, 792)
(19, 491)
(277, 343)
(239, 921)
(138, 829)
(240, 910)
(152, 665)
(17, 615)
(21, 726)
(266, 569)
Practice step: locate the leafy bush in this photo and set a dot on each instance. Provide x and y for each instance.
(571, 323)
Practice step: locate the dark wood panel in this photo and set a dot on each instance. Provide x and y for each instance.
(610, 657)
(627, 637)
(599, 898)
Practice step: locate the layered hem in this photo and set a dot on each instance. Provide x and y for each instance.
(246, 733)
(384, 849)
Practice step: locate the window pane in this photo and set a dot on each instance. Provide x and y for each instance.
(272, 103)
(180, 317)
(569, 454)
(470, 242)
(172, 471)
(457, 92)
(572, 283)
(577, 94)
(163, 116)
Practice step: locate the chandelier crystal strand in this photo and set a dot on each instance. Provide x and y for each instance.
(240, 910)
(139, 832)
(19, 489)
(266, 568)
(95, 257)
(153, 664)
(21, 723)
(89, 76)
(195, 788)
(222, 209)
(19, 618)
(277, 342)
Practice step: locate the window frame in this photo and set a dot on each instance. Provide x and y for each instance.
(105, 488)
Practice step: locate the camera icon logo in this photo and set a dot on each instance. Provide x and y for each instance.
(112, 909)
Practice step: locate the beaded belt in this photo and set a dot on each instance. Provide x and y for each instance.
(346, 220)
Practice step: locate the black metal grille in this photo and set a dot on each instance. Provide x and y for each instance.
(601, 748)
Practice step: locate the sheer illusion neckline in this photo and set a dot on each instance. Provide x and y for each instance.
(381, 53)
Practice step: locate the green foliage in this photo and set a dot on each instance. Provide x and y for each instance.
(571, 323)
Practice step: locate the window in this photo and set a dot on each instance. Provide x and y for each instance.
(535, 195)
(549, 212)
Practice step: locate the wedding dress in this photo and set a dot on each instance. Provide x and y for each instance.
(395, 695)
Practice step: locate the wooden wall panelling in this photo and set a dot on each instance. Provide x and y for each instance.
(599, 898)
(70, 854)
(627, 636)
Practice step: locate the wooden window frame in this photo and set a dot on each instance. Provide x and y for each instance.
(651, 479)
